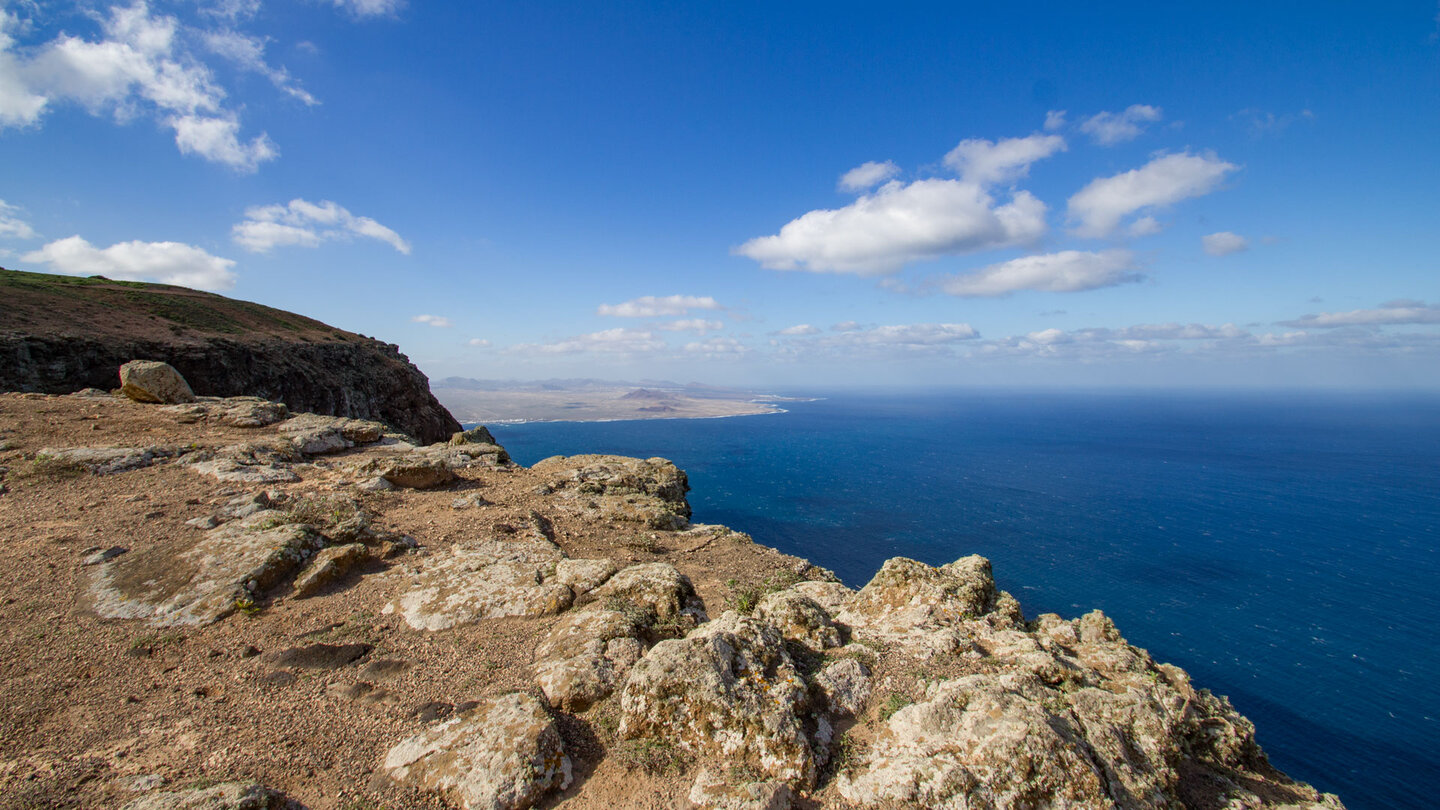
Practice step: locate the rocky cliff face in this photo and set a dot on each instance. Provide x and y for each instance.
(60, 334)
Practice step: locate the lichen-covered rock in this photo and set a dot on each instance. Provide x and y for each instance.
(154, 381)
(105, 460)
(261, 462)
(646, 491)
(483, 579)
(416, 473)
(587, 654)
(906, 595)
(356, 431)
(236, 562)
(981, 742)
(845, 687)
(476, 435)
(658, 588)
(328, 566)
(503, 753)
(722, 791)
(226, 796)
(584, 576)
(244, 412)
(799, 618)
(832, 596)
(729, 693)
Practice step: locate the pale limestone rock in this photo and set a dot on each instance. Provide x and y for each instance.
(319, 441)
(245, 412)
(483, 579)
(105, 460)
(234, 471)
(589, 652)
(329, 565)
(261, 462)
(227, 796)
(504, 753)
(584, 576)
(153, 381)
(476, 435)
(829, 595)
(845, 685)
(358, 431)
(729, 693)
(906, 596)
(799, 618)
(658, 588)
(646, 491)
(201, 584)
(982, 743)
(720, 791)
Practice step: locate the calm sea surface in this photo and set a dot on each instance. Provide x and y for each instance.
(1280, 547)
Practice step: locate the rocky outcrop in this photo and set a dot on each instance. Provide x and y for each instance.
(59, 336)
(483, 579)
(226, 796)
(650, 492)
(504, 753)
(152, 381)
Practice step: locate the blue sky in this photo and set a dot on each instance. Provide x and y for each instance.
(762, 194)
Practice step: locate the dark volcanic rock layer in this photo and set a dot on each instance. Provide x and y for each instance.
(59, 334)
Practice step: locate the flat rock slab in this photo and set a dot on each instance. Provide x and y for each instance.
(501, 754)
(484, 579)
(227, 796)
(244, 412)
(201, 583)
(105, 460)
(321, 656)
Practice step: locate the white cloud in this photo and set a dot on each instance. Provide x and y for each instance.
(651, 306)
(1054, 119)
(799, 329)
(249, 54)
(718, 347)
(1066, 271)
(139, 66)
(13, 227)
(1224, 243)
(867, 175)
(437, 321)
(370, 8)
(897, 224)
(479, 343)
(1108, 129)
(307, 224)
(1099, 207)
(1145, 226)
(618, 341)
(1389, 314)
(165, 262)
(984, 162)
(699, 326)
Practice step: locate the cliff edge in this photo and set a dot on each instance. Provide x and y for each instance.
(61, 333)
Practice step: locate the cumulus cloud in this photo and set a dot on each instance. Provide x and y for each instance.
(799, 329)
(12, 226)
(984, 162)
(1391, 313)
(1108, 129)
(248, 53)
(867, 175)
(618, 341)
(306, 224)
(897, 224)
(1066, 271)
(1054, 119)
(1224, 243)
(698, 326)
(370, 8)
(1144, 226)
(138, 66)
(437, 321)
(718, 347)
(1098, 208)
(652, 306)
(165, 262)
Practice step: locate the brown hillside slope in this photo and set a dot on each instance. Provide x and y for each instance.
(60, 333)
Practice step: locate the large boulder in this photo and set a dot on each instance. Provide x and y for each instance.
(650, 492)
(503, 753)
(154, 381)
(483, 579)
(728, 693)
(799, 618)
(906, 595)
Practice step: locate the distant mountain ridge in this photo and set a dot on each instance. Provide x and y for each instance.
(62, 333)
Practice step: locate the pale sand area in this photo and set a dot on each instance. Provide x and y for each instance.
(599, 404)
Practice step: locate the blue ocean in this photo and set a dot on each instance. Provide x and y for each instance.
(1283, 548)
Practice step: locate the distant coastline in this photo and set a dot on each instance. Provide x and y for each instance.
(512, 403)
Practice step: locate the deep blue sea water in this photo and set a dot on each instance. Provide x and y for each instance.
(1280, 547)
